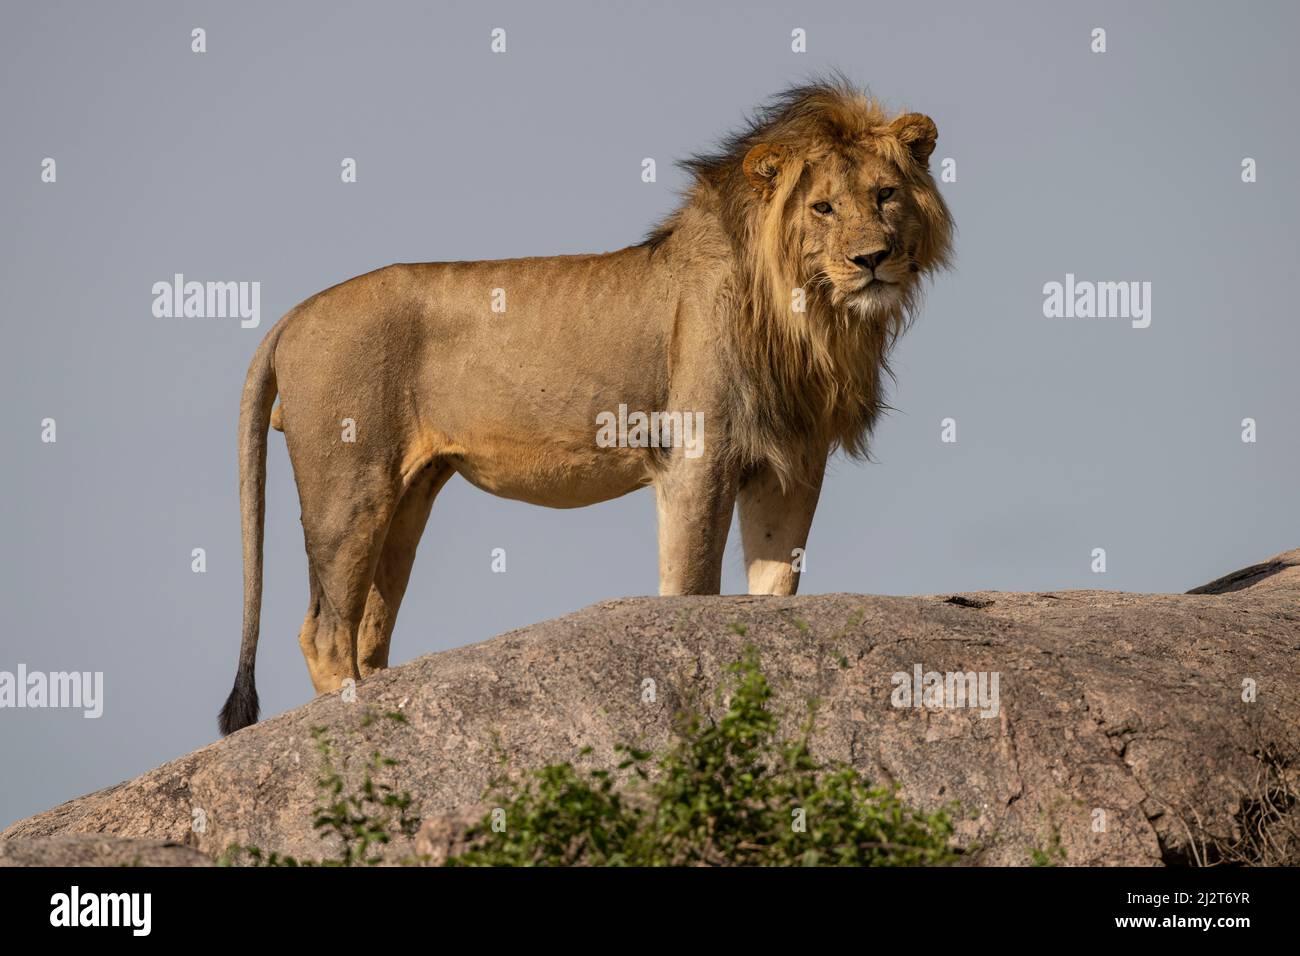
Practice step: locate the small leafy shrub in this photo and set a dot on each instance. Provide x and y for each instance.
(363, 820)
(725, 794)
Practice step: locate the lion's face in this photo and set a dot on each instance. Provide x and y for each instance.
(859, 229)
(859, 216)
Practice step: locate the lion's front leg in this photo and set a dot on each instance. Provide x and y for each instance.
(695, 497)
(774, 527)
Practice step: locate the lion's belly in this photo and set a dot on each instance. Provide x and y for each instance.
(566, 471)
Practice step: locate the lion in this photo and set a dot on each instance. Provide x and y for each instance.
(763, 309)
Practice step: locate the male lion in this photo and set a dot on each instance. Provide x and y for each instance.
(768, 302)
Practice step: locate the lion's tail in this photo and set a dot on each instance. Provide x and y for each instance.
(254, 418)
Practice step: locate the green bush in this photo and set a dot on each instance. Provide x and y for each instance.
(725, 794)
(363, 821)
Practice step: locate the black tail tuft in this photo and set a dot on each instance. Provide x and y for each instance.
(241, 706)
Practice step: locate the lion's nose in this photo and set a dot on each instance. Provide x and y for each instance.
(871, 260)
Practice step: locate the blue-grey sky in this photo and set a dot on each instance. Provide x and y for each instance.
(1072, 434)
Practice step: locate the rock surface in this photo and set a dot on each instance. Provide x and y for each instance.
(1121, 734)
(81, 849)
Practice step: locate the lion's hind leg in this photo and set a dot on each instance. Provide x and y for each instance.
(345, 530)
(394, 568)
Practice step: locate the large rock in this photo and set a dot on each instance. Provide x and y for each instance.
(1127, 731)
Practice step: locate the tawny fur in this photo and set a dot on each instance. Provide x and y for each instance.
(823, 196)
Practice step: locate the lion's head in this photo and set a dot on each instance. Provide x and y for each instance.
(853, 216)
(830, 203)
(840, 202)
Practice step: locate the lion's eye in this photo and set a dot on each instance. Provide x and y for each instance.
(884, 194)
(824, 208)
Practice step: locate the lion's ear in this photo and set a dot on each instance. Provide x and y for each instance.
(918, 133)
(761, 165)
